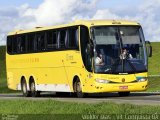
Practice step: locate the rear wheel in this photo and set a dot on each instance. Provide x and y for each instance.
(78, 89)
(34, 93)
(124, 94)
(25, 92)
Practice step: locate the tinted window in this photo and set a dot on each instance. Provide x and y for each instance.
(51, 40)
(30, 42)
(14, 44)
(62, 38)
(73, 38)
(9, 44)
(21, 43)
(54, 39)
(40, 41)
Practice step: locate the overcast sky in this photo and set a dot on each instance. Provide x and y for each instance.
(26, 14)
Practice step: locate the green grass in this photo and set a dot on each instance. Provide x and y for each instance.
(154, 61)
(48, 107)
(2, 62)
(3, 81)
(154, 84)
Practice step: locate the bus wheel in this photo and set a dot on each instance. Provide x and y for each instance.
(25, 92)
(124, 94)
(34, 93)
(78, 89)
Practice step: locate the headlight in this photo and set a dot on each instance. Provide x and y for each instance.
(142, 79)
(102, 81)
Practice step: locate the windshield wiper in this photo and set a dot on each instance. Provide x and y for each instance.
(132, 66)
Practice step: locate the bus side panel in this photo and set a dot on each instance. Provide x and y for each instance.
(75, 68)
(46, 69)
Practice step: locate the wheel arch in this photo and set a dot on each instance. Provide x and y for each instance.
(23, 78)
(75, 78)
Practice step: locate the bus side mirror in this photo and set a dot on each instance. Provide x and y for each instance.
(149, 49)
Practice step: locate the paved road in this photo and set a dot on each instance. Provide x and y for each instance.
(134, 98)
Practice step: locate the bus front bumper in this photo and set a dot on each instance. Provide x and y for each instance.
(117, 87)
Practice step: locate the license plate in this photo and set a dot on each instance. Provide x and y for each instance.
(123, 87)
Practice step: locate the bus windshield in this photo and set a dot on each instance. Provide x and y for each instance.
(119, 50)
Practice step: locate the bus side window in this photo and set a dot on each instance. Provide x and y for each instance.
(73, 38)
(30, 42)
(54, 39)
(51, 40)
(40, 41)
(21, 44)
(62, 36)
(18, 44)
(14, 44)
(23, 49)
(9, 44)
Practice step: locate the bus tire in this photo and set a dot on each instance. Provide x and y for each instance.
(25, 92)
(123, 94)
(34, 93)
(78, 89)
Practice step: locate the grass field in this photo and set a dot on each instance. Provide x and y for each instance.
(2, 62)
(65, 110)
(154, 61)
(154, 69)
(3, 81)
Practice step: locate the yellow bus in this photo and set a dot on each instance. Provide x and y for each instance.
(86, 56)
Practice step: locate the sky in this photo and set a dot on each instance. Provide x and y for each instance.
(26, 14)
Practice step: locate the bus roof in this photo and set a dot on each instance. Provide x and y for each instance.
(88, 23)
